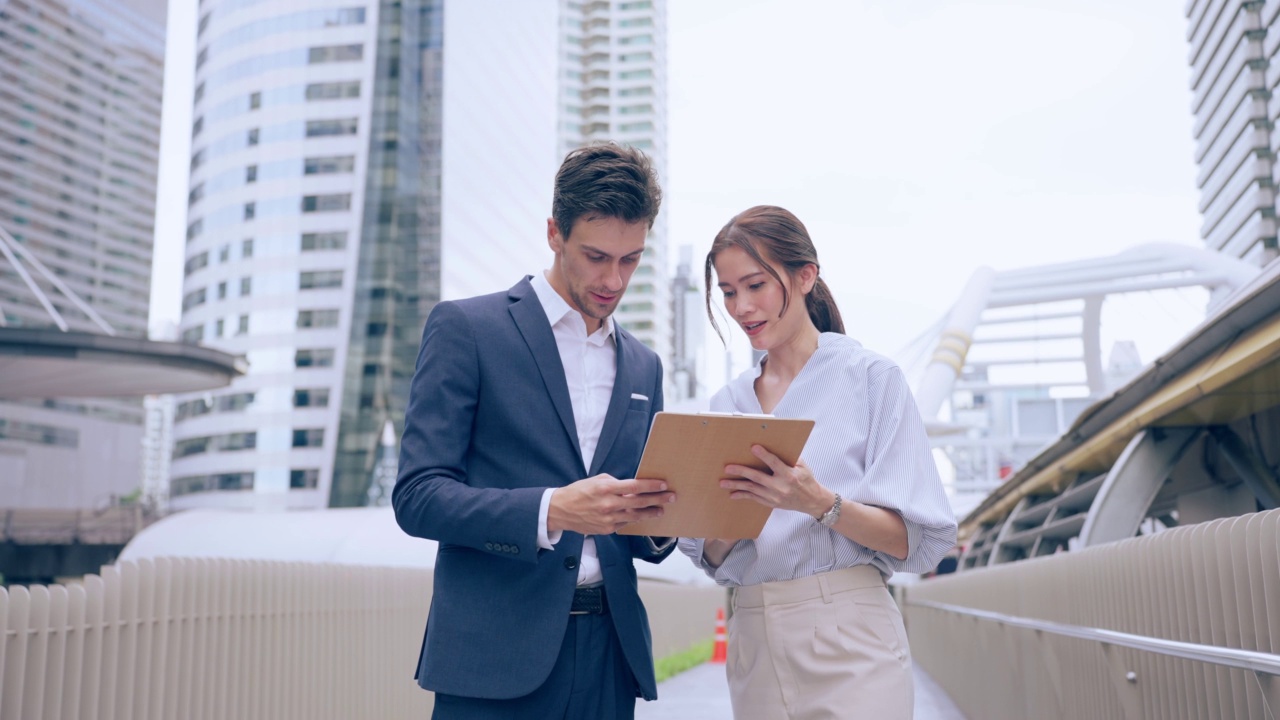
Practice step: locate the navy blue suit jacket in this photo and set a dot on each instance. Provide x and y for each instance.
(489, 426)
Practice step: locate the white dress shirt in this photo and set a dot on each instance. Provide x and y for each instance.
(590, 367)
(868, 444)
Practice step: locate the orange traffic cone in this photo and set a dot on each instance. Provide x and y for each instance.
(720, 653)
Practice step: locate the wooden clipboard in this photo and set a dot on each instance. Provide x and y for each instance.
(690, 451)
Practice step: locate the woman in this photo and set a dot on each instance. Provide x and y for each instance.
(814, 633)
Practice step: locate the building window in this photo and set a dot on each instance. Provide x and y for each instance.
(250, 209)
(246, 286)
(243, 327)
(376, 329)
(224, 253)
(195, 298)
(636, 22)
(231, 402)
(311, 397)
(251, 174)
(645, 126)
(635, 109)
(636, 56)
(195, 195)
(326, 203)
(317, 319)
(246, 248)
(320, 279)
(191, 336)
(329, 165)
(190, 446)
(305, 479)
(335, 53)
(253, 137)
(189, 484)
(255, 100)
(236, 441)
(222, 290)
(39, 434)
(313, 357)
(326, 128)
(312, 242)
(217, 328)
(196, 262)
(642, 91)
(333, 90)
(635, 74)
(309, 437)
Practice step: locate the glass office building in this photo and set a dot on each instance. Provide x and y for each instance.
(353, 163)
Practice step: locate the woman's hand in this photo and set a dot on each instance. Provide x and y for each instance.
(782, 486)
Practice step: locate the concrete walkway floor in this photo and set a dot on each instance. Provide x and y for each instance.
(702, 694)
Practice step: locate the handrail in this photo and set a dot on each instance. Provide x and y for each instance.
(1258, 662)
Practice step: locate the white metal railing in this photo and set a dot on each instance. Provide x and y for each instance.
(1265, 663)
(203, 639)
(1180, 624)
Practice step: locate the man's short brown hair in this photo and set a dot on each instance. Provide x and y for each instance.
(605, 180)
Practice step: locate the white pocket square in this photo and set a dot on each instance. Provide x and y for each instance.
(638, 396)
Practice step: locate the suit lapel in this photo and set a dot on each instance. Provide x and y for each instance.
(531, 320)
(618, 403)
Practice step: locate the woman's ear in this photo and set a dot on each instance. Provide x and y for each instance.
(808, 277)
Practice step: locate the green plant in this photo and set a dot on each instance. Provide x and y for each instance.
(673, 665)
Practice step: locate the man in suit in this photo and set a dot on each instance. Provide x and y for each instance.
(525, 409)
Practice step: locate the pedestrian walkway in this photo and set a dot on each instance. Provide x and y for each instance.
(702, 694)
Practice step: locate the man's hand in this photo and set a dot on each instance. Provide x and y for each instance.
(603, 504)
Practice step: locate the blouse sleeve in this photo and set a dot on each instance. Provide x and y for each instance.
(900, 474)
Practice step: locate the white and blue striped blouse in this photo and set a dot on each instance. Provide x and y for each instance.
(868, 444)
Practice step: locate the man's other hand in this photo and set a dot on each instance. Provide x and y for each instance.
(603, 504)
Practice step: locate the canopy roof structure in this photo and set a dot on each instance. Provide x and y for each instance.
(47, 362)
(55, 344)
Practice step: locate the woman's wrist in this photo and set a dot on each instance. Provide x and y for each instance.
(826, 498)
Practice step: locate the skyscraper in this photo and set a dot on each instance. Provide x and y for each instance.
(80, 99)
(354, 163)
(613, 86)
(1234, 69)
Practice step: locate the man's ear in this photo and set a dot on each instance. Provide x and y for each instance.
(554, 239)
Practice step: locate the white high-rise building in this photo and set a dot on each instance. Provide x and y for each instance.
(80, 100)
(1234, 72)
(613, 86)
(353, 163)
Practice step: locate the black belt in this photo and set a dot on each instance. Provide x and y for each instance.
(589, 601)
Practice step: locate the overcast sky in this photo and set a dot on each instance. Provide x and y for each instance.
(916, 140)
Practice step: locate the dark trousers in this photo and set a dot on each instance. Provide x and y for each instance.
(590, 681)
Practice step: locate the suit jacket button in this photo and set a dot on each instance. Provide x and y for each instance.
(515, 549)
(506, 548)
(488, 546)
(571, 563)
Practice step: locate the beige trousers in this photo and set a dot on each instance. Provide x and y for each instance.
(826, 646)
